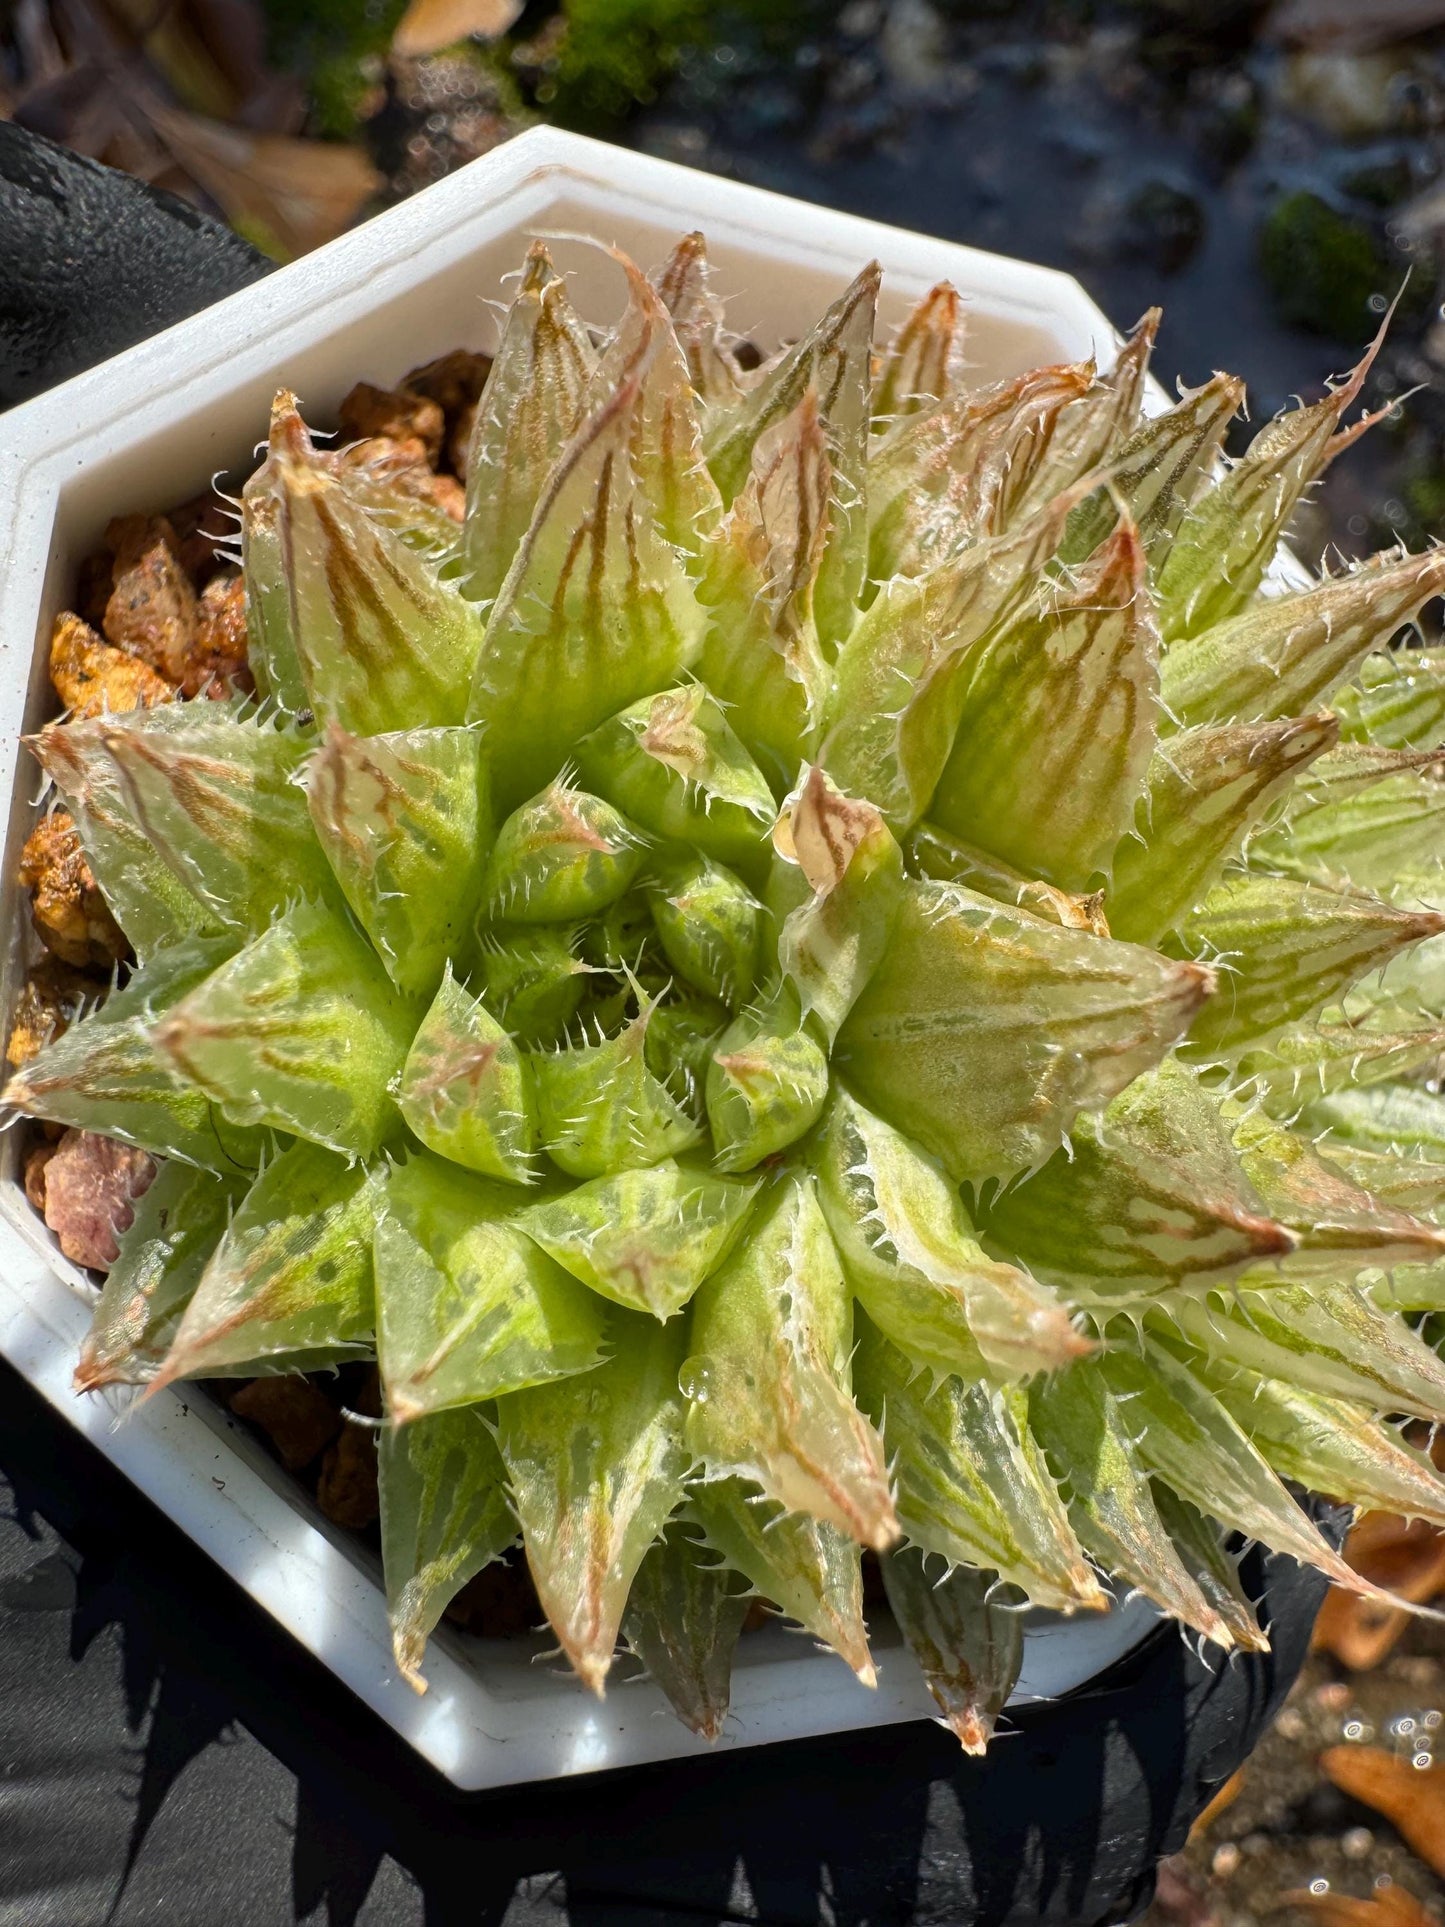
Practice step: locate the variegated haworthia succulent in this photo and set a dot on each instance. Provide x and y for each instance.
(810, 979)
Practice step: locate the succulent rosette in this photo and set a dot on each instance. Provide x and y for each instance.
(809, 979)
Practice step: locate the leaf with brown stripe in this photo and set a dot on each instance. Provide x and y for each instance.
(1058, 723)
(1289, 948)
(1090, 429)
(665, 448)
(1225, 544)
(382, 641)
(923, 363)
(834, 359)
(596, 610)
(595, 1464)
(685, 288)
(985, 1031)
(900, 679)
(1157, 472)
(1149, 1194)
(532, 402)
(761, 656)
(1286, 652)
(955, 474)
(1206, 790)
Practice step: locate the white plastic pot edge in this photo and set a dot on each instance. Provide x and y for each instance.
(490, 1718)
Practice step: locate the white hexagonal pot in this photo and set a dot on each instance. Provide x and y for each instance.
(154, 425)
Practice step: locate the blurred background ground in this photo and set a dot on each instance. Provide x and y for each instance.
(1274, 174)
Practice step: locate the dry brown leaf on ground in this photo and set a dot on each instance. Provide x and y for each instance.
(1412, 1798)
(289, 195)
(1353, 26)
(1404, 1557)
(429, 25)
(1389, 1906)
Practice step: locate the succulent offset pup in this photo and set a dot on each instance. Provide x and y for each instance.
(810, 979)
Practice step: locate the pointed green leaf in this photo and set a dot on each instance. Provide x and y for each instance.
(596, 611)
(212, 794)
(1147, 1195)
(697, 320)
(444, 1516)
(1058, 722)
(761, 656)
(383, 641)
(177, 1225)
(1332, 1445)
(1371, 839)
(1415, 1184)
(831, 944)
(1200, 1545)
(1398, 699)
(986, 1031)
(148, 900)
(106, 1073)
(910, 1255)
(1225, 544)
(1327, 1338)
(834, 359)
(666, 444)
(1090, 429)
(900, 680)
(596, 1468)
(1185, 1436)
(923, 363)
(1206, 790)
(1157, 471)
(600, 1109)
(767, 1381)
(972, 1485)
(965, 1629)
(1074, 1418)
(302, 1030)
(531, 404)
(1283, 654)
(270, 641)
(1335, 1220)
(767, 1083)
(404, 821)
(291, 1280)
(673, 763)
(645, 1239)
(1312, 1061)
(467, 1306)
(807, 1567)
(684, 1614)
(953, 475)
(1405, 1119)
(709, 924)
(561, 856)
(466, 1089)
(532, 979)
(1290, 948)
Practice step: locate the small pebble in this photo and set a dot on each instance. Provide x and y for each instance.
(1226, 1859)
(1357, 1844)
(1291, 1723)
